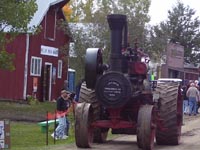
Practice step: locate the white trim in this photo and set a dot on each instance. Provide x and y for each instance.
(59, 72)
(55, 2)
(26, 66)
(50, 78)
(43, 7)
(45, 25)
(40, 69)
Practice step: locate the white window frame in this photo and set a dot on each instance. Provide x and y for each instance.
(33, 68)
(59, 73)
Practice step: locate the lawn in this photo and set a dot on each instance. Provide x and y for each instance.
(24, 128)
(25, 112)
(25, 133)
(29, 136)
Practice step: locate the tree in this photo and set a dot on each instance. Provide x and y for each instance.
(181, 26)
(97, 32)
(14, 18)
(67, 12)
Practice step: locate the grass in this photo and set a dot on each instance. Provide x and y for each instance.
(18, 111)
(29, 136)
(25, 132)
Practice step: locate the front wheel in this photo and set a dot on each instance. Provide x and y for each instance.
(146, 127)
(83, 129)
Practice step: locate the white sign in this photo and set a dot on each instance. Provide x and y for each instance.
(49, 51)
(2, 144)
(2, 138)
(2, 130)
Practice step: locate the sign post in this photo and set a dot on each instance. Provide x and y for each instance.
(4, 134)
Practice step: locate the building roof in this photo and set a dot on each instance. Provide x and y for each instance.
(191, 66)
(43, 7)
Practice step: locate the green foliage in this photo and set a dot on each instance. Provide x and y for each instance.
(64, 26)
(14, 18)
(181, 26)
(6, 60)
(32, 100)
(64, 50)
(136, 12)
(16, 14)
(95, 32)
(20, 111)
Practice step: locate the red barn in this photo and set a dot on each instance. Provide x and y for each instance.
(39, 68)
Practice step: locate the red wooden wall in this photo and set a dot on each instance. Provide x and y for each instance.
(12, 83)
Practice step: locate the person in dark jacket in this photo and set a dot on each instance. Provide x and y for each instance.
(78, 88)
(63, 103)
(185, 100)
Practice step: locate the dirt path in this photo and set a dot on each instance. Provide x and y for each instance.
(190, 139)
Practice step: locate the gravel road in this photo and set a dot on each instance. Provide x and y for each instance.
(190, 139)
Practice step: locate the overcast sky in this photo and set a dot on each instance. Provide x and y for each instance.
(158, 9)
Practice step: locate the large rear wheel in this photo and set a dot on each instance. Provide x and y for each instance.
(146, 127)
(171, 114)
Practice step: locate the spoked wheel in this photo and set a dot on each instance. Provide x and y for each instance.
(146, 127)
(170, 113)
(83, 129)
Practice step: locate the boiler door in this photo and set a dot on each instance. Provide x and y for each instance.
(113, 89)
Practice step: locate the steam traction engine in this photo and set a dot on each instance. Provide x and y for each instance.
(120, 98)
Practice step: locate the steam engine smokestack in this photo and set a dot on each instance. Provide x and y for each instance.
(116, 23)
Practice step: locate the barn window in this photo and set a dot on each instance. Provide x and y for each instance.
(59, 68)
(36, 65)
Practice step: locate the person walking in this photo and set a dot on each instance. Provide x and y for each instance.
(185, 100)
(198, 99)
(78, 88)
(193, 95)
(63, 104)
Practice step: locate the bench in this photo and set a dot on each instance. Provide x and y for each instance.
(43, 124)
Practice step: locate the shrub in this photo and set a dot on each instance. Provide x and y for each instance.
(32, 100)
